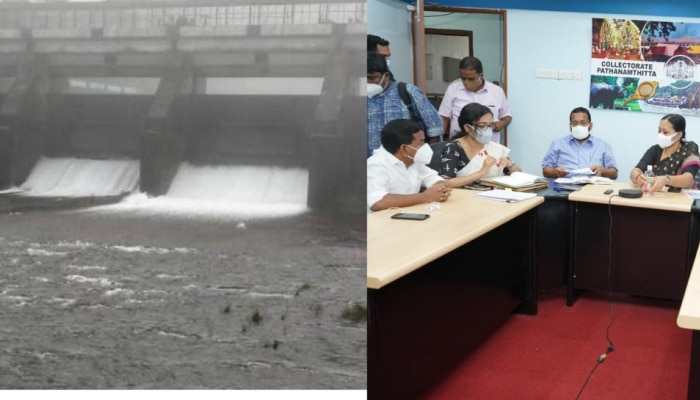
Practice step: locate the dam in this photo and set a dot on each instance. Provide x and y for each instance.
(104, 99)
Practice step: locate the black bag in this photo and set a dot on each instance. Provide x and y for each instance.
(408, 101)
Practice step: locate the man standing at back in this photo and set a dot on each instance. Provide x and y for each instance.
(376, 44)
(384, 104)
(473, 88)
(379, 45)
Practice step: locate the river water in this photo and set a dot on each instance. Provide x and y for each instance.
(113, 299)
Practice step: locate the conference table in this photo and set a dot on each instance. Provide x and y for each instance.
(689, 318)
(641, 246)
(647, 246)
(437, 288)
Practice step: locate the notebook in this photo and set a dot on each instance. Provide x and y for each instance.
(517, 181)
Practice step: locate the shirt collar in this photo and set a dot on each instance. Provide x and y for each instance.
(392, 158)
(588, 139)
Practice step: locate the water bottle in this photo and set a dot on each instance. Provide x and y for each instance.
(648, 181)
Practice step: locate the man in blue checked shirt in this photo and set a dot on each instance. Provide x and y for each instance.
(384, 104)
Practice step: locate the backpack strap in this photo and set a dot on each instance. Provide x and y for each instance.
(406, 97)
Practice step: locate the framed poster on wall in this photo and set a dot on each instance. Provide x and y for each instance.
(645, 66)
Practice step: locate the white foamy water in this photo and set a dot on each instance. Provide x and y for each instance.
(225, 192)
(232, 192)
(88, 280)
(42, 252)
(141, 249)
(13, 189)
(240, 184)
(72, 177)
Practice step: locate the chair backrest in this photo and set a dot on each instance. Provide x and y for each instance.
(437, 155)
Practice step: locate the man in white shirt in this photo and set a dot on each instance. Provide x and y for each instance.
(397, 170)
(473, 88)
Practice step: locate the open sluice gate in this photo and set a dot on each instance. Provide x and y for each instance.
(261, 98)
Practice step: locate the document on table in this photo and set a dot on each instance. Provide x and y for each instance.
(582, 180)
(692, 193)
(505, 195)
(581, 171)
(516, 179)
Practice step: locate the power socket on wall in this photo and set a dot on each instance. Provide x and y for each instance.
(573, 75)
(544, 73)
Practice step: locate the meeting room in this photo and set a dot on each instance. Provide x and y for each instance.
(540, 242)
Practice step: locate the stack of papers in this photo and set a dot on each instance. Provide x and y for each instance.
(505, 195)
(583, 180)
(516, 179)
(581, 171)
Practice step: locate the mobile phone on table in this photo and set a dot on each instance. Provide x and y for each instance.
(411, 216)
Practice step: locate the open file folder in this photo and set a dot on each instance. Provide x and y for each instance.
(519, 181)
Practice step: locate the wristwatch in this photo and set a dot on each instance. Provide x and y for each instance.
(668, 180)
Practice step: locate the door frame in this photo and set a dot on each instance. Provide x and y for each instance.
(418, 29)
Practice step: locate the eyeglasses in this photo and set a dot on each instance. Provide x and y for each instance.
(583, 124)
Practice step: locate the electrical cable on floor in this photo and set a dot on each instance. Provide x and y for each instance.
(610, 289)
(611, 346)
(587, 378)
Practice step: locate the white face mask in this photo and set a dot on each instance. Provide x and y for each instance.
(388, 63)
(482, 135)
(374, 89)
(665, 141)
(423, 155)
(579, 132)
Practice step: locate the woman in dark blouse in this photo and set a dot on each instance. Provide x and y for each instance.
(674, 160)
(471, 155)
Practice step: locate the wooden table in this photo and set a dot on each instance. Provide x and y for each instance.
(689, 318)
(437, 288)
(624, 250)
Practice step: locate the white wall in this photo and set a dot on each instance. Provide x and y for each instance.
(541, 107)
(391, 20)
